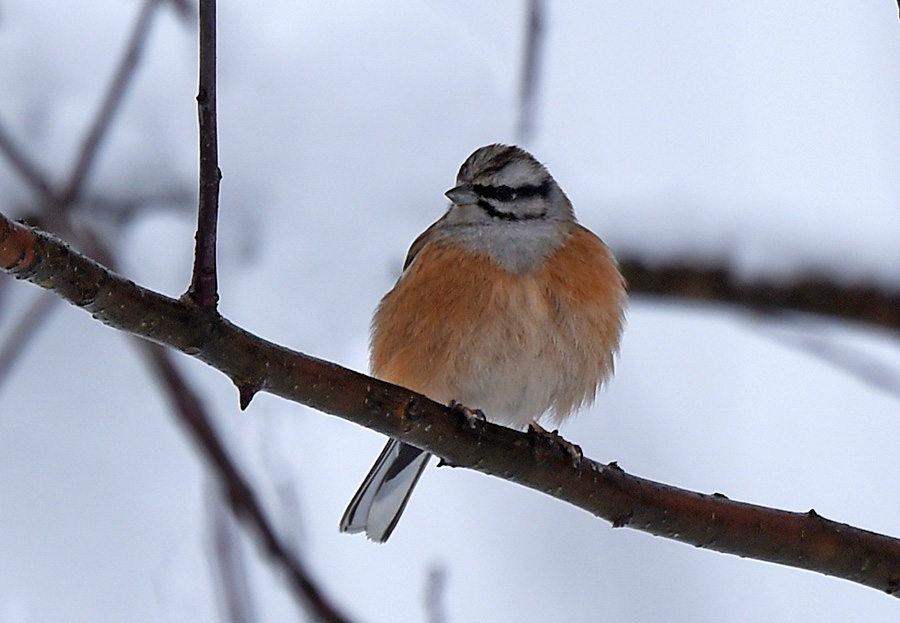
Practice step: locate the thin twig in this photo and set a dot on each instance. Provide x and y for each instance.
(803, 540)
(71, 190)
(204, 288)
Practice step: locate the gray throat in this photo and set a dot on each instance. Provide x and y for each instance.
(518, 246)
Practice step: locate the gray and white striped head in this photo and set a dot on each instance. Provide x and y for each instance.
(506, 183)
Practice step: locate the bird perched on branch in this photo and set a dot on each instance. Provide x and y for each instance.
(506, 305)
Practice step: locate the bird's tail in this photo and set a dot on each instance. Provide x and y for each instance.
(377, 506)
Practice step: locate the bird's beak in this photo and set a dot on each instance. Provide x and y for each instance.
(462, 194)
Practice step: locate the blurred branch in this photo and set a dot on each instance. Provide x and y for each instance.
(236, 490)
(531, 61)
(718, 284)
(110, 105)
(435, 584)
(804, 540)
(23, 331)
(125, 209)
(61, 199)
(228, 564)
(204, 289)
(864, 367)
(23, 165)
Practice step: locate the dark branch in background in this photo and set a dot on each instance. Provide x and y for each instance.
(718, 283)
(435, 584)
(531, 61)
(204, 289)
(227, 561)
(23, 166)
(238, 493)
(22, 332)
(111, 102)
(804, 540)
(852, 360)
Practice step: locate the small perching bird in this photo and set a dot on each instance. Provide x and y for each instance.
(506, 305)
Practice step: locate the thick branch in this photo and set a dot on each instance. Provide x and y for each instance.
(718, 283)
(804, 540)
(204, 288)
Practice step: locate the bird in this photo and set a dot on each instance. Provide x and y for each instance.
(506, 306)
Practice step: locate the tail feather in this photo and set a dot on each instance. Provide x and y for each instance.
(380, 500)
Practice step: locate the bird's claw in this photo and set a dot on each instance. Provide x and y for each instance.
(553, 438)
(472, 415)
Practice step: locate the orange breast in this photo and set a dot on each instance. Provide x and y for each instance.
(459, 326)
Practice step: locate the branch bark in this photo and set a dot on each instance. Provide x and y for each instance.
(804, 540)
(204, 287)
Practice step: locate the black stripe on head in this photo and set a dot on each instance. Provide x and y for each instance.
(508, 216)
(507, 193)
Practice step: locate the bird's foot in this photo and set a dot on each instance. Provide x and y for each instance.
(553, 438)
(472, 415)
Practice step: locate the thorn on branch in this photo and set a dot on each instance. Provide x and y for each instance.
(247, 391)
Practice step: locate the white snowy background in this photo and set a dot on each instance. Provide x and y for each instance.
(764, 133)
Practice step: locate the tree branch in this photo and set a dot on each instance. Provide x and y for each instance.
(204, 288)
(804, 540)
(718, 283)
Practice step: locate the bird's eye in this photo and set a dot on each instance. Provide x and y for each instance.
(505, 193)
